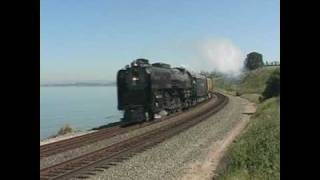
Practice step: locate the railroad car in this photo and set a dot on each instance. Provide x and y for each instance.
(210, 84)
(145, 90)
(200, 87)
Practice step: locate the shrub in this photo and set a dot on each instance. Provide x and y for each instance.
(237, 93)
(273, 85)
(65, 129)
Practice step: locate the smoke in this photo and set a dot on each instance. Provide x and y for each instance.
(189, 68)
(221, 55)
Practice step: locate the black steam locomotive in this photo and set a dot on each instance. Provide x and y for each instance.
(145, 90)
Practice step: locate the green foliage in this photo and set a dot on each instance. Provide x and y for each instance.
(273, 85)
(254, 82)
(253, 61)
(256, 154)
(251, 82)
(65, 129)
(215, 74)
(224, 84)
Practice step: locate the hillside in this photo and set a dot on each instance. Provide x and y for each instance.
(256, 153)
(254, 82)
(249, 85)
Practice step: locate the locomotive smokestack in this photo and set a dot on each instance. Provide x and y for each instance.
(140, 62)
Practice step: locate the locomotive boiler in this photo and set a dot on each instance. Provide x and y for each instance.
(145, 90)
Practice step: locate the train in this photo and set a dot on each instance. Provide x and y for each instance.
(148, 91)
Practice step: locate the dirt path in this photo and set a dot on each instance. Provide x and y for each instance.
(206, 170)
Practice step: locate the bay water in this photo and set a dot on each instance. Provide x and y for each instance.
(83, 108)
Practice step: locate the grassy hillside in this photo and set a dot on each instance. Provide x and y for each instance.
(256, 153)
(252, 82)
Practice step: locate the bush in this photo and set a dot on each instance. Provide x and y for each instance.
(65, 130)
(237, 93)
(273, 85)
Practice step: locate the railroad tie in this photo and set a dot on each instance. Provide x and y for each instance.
(89, 173)
(103, 166)
(82, 177)
(98, 169)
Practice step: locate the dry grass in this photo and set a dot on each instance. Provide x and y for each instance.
(65, 130)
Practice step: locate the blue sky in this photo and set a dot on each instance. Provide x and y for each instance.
(91, 40)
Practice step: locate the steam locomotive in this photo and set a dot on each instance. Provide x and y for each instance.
(147, 90)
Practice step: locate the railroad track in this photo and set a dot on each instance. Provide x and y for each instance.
(76, 142)
(88, 164)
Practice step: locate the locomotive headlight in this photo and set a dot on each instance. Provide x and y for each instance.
(135, 78)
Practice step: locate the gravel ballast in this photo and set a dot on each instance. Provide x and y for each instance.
(173, 158)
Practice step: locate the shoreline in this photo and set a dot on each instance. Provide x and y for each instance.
(51, 139)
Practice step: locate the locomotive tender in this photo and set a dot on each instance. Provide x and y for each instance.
(145, 90)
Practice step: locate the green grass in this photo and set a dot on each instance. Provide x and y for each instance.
(226, 85)
(254, 82)
(256, 154)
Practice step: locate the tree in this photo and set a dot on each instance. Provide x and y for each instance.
(253, 61)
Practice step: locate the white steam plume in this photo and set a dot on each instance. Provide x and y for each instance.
(188, 67)
(223, 56)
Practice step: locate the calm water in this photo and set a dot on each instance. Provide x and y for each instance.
(81, 107)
